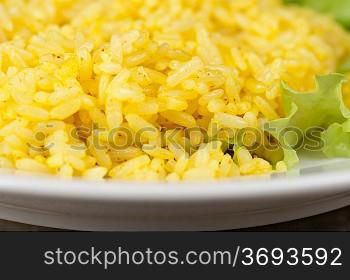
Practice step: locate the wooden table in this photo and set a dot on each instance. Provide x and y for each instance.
(334, 221)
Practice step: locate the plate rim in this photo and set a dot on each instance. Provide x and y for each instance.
(189, 191)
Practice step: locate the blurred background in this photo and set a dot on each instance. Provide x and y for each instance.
(338, 220)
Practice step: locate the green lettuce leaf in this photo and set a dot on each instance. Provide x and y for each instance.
(337, 140)
(276, 128)
(305, 111)
(339, 9)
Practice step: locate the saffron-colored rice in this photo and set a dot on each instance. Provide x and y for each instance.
(74, 73)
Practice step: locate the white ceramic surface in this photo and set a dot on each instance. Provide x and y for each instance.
(316, 187)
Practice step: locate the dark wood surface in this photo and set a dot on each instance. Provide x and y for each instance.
(334, 221)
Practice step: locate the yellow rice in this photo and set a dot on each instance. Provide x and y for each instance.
(108, 69)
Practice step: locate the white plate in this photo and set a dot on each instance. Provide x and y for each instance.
(316, 187)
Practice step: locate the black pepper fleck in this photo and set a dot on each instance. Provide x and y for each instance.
(230, 150)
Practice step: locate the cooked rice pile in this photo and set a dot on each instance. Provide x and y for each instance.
(159, 66)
